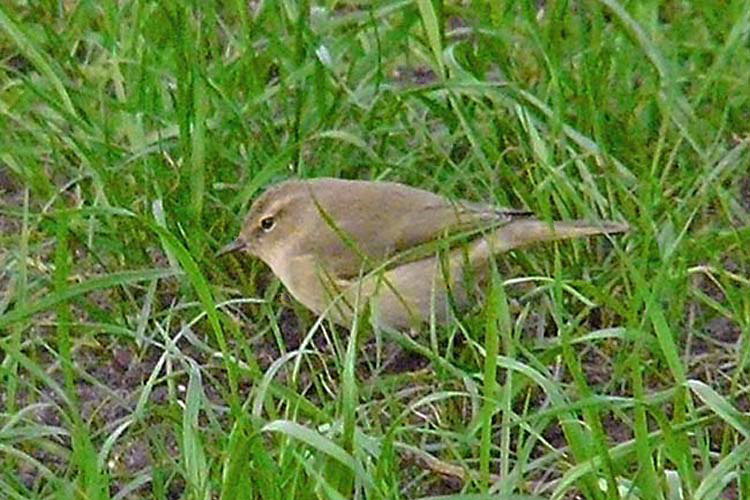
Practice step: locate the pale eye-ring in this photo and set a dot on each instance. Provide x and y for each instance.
(267, 223)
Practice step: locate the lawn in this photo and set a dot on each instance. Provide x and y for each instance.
(134, 135)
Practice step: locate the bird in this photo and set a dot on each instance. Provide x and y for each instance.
(406, 254)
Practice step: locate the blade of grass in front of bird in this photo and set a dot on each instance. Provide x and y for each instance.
(91, 473)
(193, 452)
(496, 314)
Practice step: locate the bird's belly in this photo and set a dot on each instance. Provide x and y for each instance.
(400, 298)
(415, 293)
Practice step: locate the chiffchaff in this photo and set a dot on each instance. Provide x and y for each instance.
(340, 245)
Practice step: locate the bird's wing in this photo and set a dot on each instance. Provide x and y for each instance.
(371, 222)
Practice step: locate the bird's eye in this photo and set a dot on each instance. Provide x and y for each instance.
(267, 223)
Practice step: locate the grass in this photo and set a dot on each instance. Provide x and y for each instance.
(135, 134)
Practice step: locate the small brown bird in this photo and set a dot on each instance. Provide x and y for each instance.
(340, 245)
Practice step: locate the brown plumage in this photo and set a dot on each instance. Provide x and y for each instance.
(321, 236)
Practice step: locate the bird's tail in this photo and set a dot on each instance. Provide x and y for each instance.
(524, 232)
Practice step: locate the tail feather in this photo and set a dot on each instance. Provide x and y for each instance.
(524, 232)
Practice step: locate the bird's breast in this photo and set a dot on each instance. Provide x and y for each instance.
(313, 286)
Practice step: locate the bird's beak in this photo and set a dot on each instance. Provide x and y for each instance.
(234, 246)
